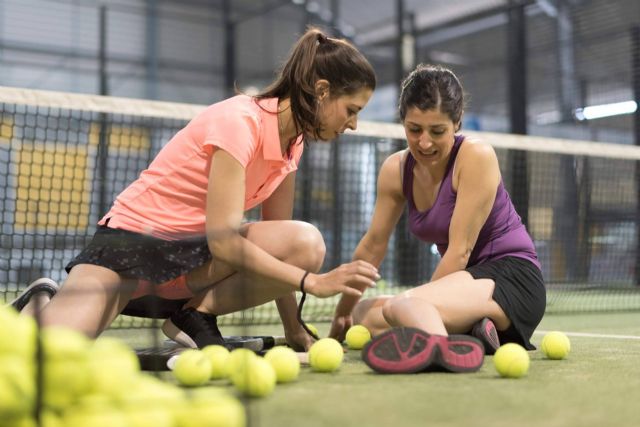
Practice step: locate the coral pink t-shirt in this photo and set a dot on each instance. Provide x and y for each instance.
(168, 199)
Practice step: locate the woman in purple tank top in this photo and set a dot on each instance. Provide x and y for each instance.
(487, 288)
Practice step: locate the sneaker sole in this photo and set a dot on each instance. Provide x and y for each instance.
(45, 284)
(410, 350)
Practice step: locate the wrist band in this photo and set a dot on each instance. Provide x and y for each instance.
(300, 304)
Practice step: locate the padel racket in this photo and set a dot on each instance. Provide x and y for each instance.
(156, 359)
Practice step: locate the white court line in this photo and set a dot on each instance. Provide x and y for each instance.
(589, 335)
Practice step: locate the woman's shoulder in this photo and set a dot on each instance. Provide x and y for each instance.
(390, 175)
(474, 149)
(232, 111)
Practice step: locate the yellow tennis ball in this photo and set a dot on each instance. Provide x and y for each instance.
(192, 368)
(256, 378)
(325, 355)
(23, 421)
(556, 345)
(357, 337)
(511, 360)
(17, 387)
(285, 363)
(147, 390)
(312, 328)
(219, 358)
(113, 366)
(94, 411)
(150, 414)
(66, 374)
(238, 358)
(17, 334)
(211, 406)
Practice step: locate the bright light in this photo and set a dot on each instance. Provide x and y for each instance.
(606, 110)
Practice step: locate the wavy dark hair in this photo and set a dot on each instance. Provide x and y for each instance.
(432, 87)
(316, 56)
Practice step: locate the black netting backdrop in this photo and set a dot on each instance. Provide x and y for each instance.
(61, 168)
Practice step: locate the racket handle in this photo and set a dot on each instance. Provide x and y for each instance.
(171, 362)
(303, 357)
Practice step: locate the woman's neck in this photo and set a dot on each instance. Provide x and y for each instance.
(286, 126)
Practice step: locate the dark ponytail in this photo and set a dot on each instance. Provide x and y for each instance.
(316, 56)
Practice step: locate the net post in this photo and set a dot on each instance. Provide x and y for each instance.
(635, 76)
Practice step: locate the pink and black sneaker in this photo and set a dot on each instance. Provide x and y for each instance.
(409, 350)
(486, 332)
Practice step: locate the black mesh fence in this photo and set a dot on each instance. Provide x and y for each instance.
(61, 168)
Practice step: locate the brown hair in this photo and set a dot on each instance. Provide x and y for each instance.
(432, 87)
(316, 56)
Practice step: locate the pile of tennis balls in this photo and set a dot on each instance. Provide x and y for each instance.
(94, 383)
(512, 360)
(251, 374)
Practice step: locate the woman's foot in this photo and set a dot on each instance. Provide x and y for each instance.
(192, 328)
(35, 296)
(487, 333)
(409, 350)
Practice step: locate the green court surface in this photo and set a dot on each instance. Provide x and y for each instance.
(597, 385)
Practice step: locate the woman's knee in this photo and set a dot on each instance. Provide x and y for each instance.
(368, 313)
(307, 246)
(400, 305)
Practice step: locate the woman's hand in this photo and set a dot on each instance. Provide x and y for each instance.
(299, 339)
(350, 279)
(339, 327)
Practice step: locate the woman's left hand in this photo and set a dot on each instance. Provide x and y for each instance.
(299, 340)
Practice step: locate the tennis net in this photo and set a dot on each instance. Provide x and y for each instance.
(64, 158)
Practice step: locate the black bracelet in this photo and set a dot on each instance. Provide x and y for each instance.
(299, 314)
(304, 276)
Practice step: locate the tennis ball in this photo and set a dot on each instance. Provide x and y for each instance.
(511, 360)
(219, 358)
(312, 328)
(17, 387)
(357, 337)
(556, 345)
(150, 414)
(65, 373)
(147, 390)
(192, 368)
(95, 413)
(24, 421)
(113, 365)
(325, 355)
(256, 378)
(284, 362)
(238, 358)
(211, 406)
(17, 334)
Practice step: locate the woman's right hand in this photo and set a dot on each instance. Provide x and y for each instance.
(350, 279)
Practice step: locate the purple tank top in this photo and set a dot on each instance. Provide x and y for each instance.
(503, 234)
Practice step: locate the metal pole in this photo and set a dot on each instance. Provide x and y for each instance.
(229, 48)
(635, 75)
(567, 213)
(336, 181)
(103, 141)
(407, 247)
(152, 49)
(305, 174)
(517, 76)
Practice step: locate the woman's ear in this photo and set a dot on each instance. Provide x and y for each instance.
(322, 88)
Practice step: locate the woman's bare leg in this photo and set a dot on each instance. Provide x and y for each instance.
(293, 242)
(451, 304)
(91, 298)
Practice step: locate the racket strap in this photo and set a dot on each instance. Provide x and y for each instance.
(301, 304)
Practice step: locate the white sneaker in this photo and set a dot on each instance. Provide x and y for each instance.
(41, 285)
